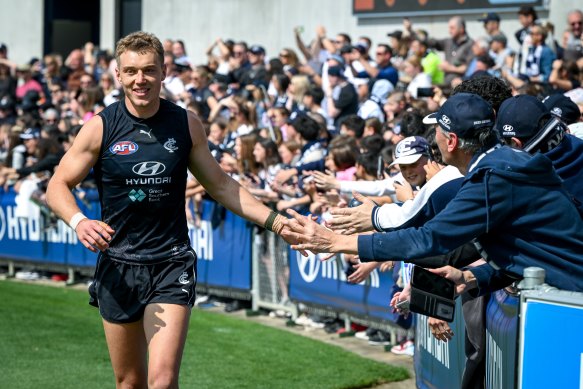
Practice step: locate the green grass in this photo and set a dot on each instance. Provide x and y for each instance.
(51, 338)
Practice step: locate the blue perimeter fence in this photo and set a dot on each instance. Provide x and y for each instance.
(517, 326)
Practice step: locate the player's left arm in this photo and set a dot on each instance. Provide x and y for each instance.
(217, 183)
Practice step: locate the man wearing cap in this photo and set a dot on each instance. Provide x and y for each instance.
(491, 22)
(563, 108)
(384, 69)
(342, 99)
(526, 123)
(256, 74)
(512, 203)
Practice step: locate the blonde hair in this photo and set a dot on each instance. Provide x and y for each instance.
(141, 42)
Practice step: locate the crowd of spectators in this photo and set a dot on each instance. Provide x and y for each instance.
(302, 128)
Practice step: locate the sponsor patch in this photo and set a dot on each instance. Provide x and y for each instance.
(124, 147)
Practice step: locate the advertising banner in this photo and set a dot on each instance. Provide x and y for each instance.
(384, 8)
(323, 283)
(223, 245)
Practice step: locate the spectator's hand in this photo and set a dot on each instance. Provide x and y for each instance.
(325, 181)
(353, 220)
(557, 63)
(309, 235)
(445, 66)
(440, 329)
(94, 234)
(283, 176)
(431, 169)
(287, 235)
(362, 272)
(404, 191)
(386, 266)
(463, 280)
(306, 69)
(399, 297)
(321, 32)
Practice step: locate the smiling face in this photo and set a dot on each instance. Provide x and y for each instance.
(141, 75)
(414, 172)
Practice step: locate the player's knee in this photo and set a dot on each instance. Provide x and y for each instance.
(165, 379)
(130, 382)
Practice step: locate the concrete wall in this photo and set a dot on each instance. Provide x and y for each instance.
(21, 28)
(269, 22)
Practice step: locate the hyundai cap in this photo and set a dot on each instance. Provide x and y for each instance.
(410, 149)
(519, 117)
(463, 113)
(563, 108)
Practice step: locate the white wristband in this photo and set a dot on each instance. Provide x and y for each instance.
(76, 219)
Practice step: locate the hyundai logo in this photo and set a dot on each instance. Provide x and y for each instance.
(150, 168)
(445, 119)
(507, 128)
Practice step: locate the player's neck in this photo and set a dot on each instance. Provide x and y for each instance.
(143, 112)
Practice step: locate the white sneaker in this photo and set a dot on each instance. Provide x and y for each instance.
(407, 348)
(361, 335)
(303, 320)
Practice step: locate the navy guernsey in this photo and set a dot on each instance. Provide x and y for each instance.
(141, 177)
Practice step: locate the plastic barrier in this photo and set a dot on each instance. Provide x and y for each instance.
(439, 364)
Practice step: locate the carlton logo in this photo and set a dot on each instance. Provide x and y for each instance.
(125, 147)
(150, 168)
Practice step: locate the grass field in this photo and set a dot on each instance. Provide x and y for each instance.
(51, 338)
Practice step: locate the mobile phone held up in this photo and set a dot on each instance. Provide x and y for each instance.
(432, 295)
(425, 92)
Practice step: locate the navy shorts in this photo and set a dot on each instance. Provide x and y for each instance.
(122, 290)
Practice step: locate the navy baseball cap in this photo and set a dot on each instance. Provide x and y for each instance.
(295, 115)
(490, 16)
(337, 71)
(563, 108)
(463, 113)
(30, 133)
(410, 149)
(519, 117)
(257, 50)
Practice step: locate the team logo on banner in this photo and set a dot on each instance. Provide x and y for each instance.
(309, 266)
(124, 147)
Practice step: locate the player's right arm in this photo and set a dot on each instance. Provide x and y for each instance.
(73, 168)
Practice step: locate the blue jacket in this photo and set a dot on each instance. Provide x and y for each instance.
(567, 160)
(516, 207)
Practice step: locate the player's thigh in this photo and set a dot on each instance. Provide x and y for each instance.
(128, 350)
(166, 327)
